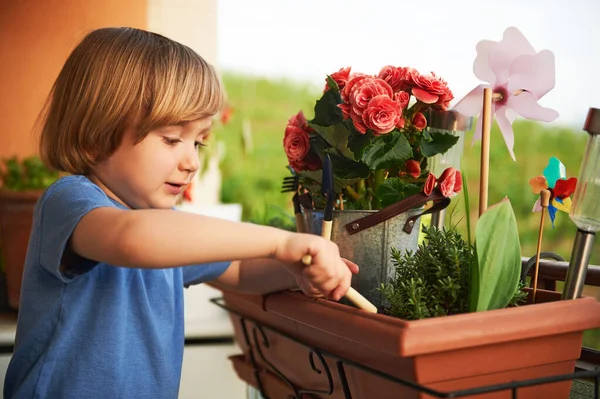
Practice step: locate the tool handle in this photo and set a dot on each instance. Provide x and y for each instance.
(326, 229)
(354, 296)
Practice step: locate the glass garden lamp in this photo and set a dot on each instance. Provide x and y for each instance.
(585, 209)
(454, 123)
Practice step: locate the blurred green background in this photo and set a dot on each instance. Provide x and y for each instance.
(255, 164)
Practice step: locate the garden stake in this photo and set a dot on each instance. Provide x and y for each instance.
(486, 123)
(544, 202)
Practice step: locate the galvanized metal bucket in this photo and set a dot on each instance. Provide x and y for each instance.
(370, 249)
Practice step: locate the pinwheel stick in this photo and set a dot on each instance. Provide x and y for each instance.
(544, 202)
(486, 124)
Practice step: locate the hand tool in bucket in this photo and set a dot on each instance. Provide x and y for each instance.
(327, 189)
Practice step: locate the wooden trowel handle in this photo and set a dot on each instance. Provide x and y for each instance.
(356, 298)
(326, 229)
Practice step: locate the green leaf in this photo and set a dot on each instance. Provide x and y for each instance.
(344, 168)
(358, 143)
(474, 285)
(498, 255)
(388, 150)
(336, 136)
(332, 84)
(338, 182)
(327, 112)
(438, 143)
(393, 190)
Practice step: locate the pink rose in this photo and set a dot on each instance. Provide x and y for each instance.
(352, 81)
(358, 122)
(340, 77)
(430, 88)
(401, 123)
(358, 93)
(382, 114)
(444, 101)
(296, 144)
(393, 76)
(409, 76)
(429, 184)
(459, 183)
(413, 168)
(346, 110)
(419, 121)
(365, 90)
(449, 182)
(402, 98)
(299, 120)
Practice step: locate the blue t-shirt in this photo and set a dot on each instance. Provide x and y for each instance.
(102, 331)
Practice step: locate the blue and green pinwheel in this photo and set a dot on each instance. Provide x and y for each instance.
(555, 180)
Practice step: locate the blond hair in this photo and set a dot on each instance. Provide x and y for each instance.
(112, 77)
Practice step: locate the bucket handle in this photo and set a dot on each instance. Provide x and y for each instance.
(441, 202)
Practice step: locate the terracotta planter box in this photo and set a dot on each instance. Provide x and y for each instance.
(444, 354)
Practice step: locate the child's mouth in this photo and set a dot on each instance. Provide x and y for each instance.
(174, 188)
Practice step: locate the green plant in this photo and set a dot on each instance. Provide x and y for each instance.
(28, 174)
(448, 275)
(374, 129)
(434, 281)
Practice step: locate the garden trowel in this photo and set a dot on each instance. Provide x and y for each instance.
(328, 190)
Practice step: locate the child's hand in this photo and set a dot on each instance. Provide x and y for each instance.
(328, 274)
(309, 290)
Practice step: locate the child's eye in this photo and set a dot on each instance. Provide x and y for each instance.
(171, 141)
(199, 144)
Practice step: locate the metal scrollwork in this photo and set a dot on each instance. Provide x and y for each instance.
(261, 340)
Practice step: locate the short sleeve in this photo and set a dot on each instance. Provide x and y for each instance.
(197, 274)
(60, 209)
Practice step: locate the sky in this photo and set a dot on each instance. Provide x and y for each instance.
(303, 40)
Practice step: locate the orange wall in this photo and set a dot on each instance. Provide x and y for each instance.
(35, 39)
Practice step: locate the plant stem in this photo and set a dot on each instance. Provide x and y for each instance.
(352, 193)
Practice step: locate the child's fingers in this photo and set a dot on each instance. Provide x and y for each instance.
(309, 290)
(351, 265)
(341, 290)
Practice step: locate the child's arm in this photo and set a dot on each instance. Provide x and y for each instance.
(167, 238)
(262, 276)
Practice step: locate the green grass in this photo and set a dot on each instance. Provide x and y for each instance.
(253, 178)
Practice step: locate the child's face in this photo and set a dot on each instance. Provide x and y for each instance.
(156, 171)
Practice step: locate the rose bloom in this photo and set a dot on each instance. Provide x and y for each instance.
(393, 76)
(429, 184)
(365, 90)
(450, 182)
(340, 77)
(419, 121)
(382, 114)
(402, 98)
(296, 144)
(431, 89)
(413, 168)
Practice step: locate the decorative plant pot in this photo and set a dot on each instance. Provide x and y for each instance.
(16, 218)
(336, 351)
(369, 248)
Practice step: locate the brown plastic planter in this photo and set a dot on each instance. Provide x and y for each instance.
(16, 218)
(445, 353)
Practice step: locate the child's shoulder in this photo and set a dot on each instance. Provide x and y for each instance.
(73, 188)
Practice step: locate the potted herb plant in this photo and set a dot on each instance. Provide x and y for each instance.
(22, 184)
(464, 338)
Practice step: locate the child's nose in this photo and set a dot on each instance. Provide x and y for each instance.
(190, 160)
